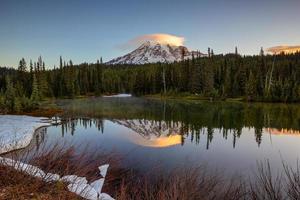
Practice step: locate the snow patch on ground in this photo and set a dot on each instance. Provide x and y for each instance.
(76, 184)
(16, 131)
(118, 95)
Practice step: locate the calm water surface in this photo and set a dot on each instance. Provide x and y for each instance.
(150, 133)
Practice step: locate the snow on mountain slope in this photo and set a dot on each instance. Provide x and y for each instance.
(153, 52)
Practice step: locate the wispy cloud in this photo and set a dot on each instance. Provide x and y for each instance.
(285, 49)
(161, 38)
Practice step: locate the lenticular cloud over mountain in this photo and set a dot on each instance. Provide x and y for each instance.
(285, 49)
(160, 38)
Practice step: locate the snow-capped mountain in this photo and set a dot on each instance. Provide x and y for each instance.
(153, 52)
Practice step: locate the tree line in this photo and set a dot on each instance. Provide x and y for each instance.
(271, 78)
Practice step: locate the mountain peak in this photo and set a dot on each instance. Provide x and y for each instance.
(156, 43)
(153, 52)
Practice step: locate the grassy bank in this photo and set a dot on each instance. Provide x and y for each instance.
(193, 97)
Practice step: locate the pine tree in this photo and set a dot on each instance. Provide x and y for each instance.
(208, 79)
(17, 105)
(269, 80)
(261, 53)
(10, 94)
(35, 95)
(43, 85)
(212, 53)
(2, 103)
(30, 66)
(60, 78)
(70, 85)
(41, 76)
(22, 65)
(250, 88)
(39, 64)
(21, 79)
(60, 62)
(196, 86)
(228, 82)
(97, 77)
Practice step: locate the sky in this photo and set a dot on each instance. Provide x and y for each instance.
(85, 30)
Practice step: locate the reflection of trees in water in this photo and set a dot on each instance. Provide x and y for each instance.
(195, 119)
(149, 129)
(69, 124)
(37, 144)
(40, 136)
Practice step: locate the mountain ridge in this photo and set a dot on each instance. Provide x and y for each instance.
(154, 52)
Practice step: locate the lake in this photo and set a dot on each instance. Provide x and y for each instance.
(231, 136)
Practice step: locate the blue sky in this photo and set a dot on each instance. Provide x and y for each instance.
(86, 30)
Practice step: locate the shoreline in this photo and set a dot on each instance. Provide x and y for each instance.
(16, 151)
(49, 108)
(17, 131)
(195, 98)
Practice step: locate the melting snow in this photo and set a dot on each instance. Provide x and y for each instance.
(17, 131)
(103, 170)
(76, 184)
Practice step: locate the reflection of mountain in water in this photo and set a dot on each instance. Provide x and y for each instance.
(148, 128)
(153, 133)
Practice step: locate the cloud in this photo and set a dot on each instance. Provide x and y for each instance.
(161, 38)
(285, 49)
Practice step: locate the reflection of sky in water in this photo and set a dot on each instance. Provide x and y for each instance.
(141, 151)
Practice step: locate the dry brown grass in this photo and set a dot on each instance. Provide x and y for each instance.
(59, 159)
(43, 112)
(183, 184)
(196, 183)
(16, 185)
(293, 181)
(188, 183)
